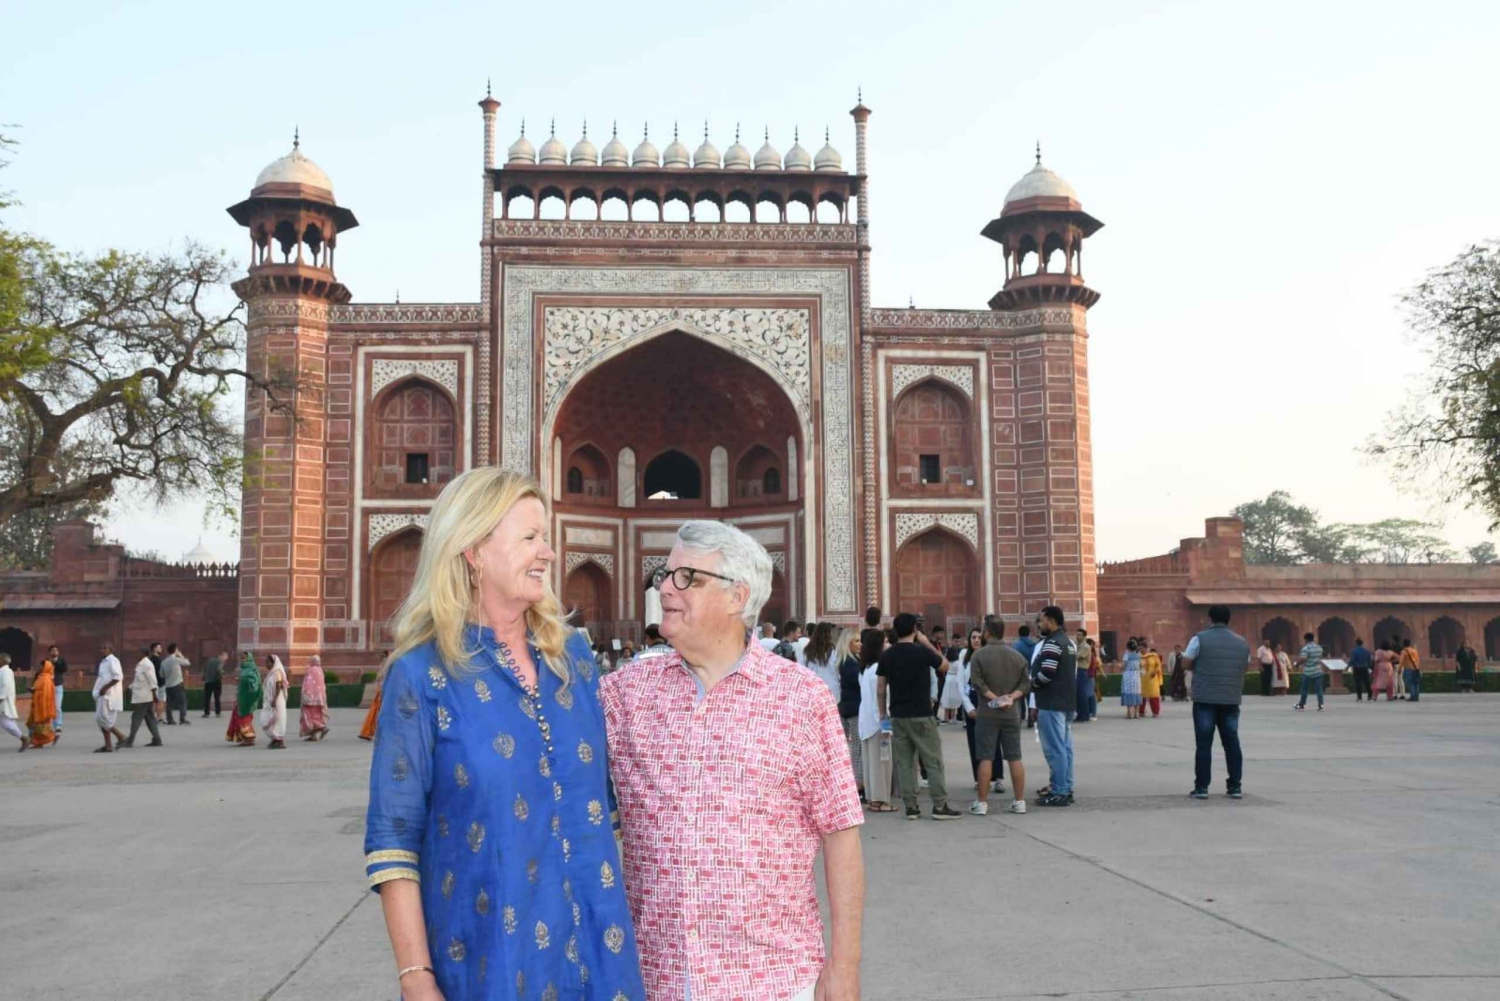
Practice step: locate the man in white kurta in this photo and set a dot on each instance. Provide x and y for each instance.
(109, 698)
(10, 720)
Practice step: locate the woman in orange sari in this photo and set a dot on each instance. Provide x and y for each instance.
(367, 732)
(42, 721)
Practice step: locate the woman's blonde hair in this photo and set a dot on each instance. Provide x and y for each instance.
(441, 603)
(846, 641)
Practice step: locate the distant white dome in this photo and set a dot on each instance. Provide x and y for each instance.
(1040, 182)
(706, 155)
(553, 153)
(767, 158)
(521, 151)
(828, 159)
(200, 554)
(645, 154)
(798, 158)
(584, 153)
(294, 168)
(615, 154)
(675, 155)
(737, 157)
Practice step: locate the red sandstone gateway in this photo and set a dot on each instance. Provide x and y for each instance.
(728, 362)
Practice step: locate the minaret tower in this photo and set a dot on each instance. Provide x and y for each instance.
(295, 513)
(1042, 449)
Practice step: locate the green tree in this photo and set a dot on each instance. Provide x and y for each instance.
(119, 368)
(1406, 540)
(1483, 552)
(1449, 431)
(1276, 529)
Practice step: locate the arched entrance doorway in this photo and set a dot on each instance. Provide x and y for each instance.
(587, 591)
(694, 428)
(1391, 629)
(936, 578)
(1444, 637)
(393, 567)
(1336, 637)
(1283, 631)
(17, 643)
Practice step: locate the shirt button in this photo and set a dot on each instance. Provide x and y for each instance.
(692, 935)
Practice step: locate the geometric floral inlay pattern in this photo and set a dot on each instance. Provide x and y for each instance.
(965, 524)
(961, 376)
(575, 560)
(382, 525)
(443, 372)
(575, 336)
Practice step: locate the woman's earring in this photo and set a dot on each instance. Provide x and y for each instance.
(476, 575)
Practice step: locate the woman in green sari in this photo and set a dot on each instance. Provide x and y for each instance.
(247, 700)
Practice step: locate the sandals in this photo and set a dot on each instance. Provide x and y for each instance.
(880, 808)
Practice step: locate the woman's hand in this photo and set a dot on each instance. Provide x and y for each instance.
(420, 986)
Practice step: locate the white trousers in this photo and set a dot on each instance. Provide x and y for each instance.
(10, 725)
(807, 995)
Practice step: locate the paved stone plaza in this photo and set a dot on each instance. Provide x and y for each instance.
(1362, 864)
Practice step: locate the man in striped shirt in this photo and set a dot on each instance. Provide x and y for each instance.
(1054, 671)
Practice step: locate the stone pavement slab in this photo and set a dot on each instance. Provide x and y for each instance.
(1361, 865)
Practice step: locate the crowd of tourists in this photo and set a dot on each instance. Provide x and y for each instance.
(158, 697)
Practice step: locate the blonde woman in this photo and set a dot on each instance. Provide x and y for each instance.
(488, 833)
(846, 653)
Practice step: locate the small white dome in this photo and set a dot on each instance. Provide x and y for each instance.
(828, 159)
(1040, 182)
(584, 153)
(553, 153)
(737, 157)
(615, 154)
(798, 158)
(294, 168)
(675, 155)
(706, 155)
(645, 154)
(521, 151)
(766, 158)
(200, 554)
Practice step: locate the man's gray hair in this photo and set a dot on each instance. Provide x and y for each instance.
(741, 558)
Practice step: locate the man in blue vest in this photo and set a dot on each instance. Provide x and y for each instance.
(1218, 659)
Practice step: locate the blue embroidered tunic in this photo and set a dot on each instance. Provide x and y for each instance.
(500, 807)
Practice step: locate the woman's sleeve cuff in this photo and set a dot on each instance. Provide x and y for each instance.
(392, 863)
(390, 875)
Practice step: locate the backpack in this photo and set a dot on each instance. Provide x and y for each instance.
(786, 650)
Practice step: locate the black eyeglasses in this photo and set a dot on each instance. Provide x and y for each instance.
(682, 577)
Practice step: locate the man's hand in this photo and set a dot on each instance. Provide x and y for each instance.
(837, 983)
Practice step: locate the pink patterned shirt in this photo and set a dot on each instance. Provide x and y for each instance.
(724, 801)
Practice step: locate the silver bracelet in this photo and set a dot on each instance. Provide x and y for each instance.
(414, 969)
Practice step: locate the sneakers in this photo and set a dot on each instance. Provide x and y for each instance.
(997, 786)
(913, 813)
(1018, 806)
(921, 783)
(1055, 799)
(1199, 794)
(1236, 793)
(945, 812)
(978, 809)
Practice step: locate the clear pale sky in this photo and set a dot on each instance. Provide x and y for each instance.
(1271, 177)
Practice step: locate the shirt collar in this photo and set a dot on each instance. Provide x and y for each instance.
(752, 665)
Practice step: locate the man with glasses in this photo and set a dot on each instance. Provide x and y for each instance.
(732, 772)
